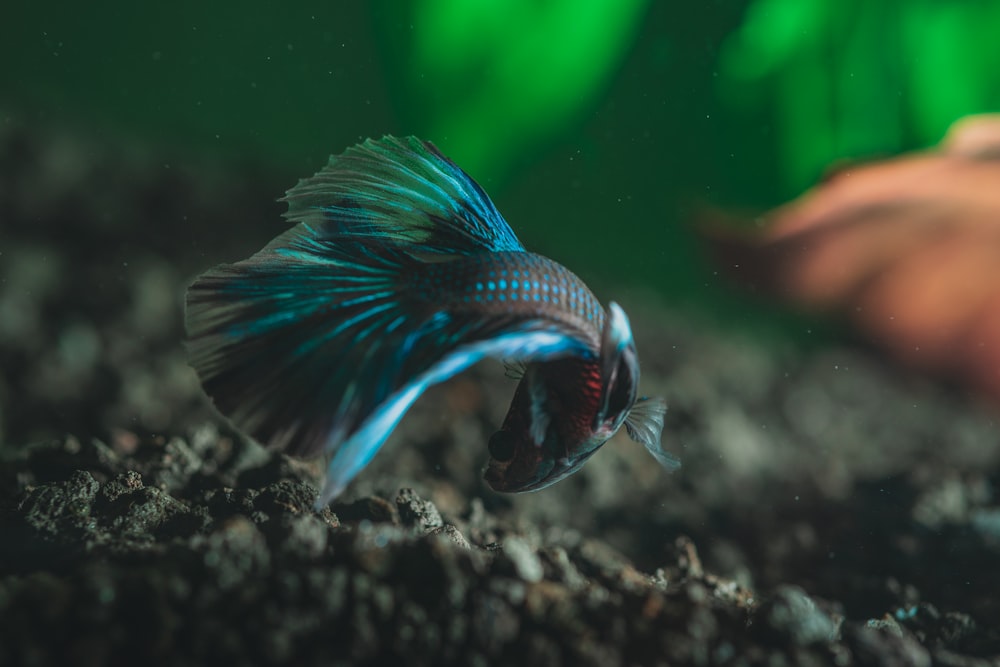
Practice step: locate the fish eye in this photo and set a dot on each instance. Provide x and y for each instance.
(502, 446)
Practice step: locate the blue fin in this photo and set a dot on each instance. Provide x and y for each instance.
(354, 454)
(317, 345)
(402, 191)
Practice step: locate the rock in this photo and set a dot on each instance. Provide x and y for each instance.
(415, 511)
(61, 509)
(526, 563)
(791, 615)
(875, 646)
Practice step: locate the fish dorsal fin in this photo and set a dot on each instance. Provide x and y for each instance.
(644, 424)
(619, 369)
(403, 192)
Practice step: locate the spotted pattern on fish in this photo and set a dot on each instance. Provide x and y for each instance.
(512, 283)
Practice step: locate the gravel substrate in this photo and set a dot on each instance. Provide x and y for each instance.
(830, 509)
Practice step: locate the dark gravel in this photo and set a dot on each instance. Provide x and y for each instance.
(831, 510)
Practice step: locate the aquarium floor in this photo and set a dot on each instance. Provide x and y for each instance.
(830, 509)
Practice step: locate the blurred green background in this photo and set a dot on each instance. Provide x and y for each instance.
(596, 126)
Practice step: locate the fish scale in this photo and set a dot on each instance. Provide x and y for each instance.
(515, 283)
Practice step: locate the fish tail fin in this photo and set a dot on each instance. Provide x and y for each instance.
(283, 332)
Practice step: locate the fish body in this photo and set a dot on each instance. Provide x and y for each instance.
(563, 410)
(398, 274)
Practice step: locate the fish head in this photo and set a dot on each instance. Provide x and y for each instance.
(528, 468)
(564, 410)
(550, 429)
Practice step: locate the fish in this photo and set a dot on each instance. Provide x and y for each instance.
(399, 272)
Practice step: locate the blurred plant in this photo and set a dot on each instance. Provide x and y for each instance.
(907, 250)
(487, 79)
(846, 78)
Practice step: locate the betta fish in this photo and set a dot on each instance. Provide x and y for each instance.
(398, 273)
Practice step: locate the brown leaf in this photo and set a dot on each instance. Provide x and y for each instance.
(908, 249)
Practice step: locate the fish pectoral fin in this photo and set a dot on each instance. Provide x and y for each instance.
(644, 424)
